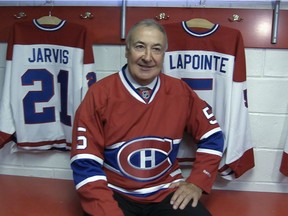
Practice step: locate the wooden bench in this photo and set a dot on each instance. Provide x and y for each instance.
(30, 196)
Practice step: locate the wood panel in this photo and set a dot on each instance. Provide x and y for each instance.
(248, 26)
(105, 25)
(256, 24)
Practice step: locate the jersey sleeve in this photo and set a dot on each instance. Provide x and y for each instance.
(89, 74)
(208, 136)
(284, 161)
(238, 151)
(87, 160)
(7, 126)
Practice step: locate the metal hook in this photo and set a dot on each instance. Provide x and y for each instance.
(87, 15)
(51, 3)
(235, 18)
(20, 15)
(162, 16)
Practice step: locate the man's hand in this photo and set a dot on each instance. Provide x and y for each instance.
(184, 194)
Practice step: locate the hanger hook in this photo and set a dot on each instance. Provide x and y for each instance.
(162, 16)
(51, 3)
(20, 15)
(51, 8)
(87, 15)
(235, 18)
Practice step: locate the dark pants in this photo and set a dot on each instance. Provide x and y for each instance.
(163, 208)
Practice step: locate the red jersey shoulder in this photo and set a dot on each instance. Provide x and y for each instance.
(29, 32)
(175, 85)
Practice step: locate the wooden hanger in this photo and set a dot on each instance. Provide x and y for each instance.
(49, 20)
(199, 23)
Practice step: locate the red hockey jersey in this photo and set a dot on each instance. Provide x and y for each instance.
(48, 71)
(122, 143)
(212, 62)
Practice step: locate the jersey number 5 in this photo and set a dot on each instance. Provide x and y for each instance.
(81, 140)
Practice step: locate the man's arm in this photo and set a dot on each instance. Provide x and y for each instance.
(203, 174)
(87, 161)
(204, 128)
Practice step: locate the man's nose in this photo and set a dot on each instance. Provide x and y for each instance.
(147, 55)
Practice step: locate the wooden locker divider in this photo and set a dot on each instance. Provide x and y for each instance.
(105, 26)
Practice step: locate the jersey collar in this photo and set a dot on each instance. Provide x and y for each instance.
(49, 27)
(131, 85)
(197, 34)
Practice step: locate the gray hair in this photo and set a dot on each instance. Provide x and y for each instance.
(147, 23)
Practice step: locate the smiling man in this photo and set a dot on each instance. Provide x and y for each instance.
(145, 50)
(125, 140)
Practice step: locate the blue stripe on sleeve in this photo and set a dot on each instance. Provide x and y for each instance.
(214, 142)
(86, 168)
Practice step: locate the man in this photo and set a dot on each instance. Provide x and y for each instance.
(125, 143)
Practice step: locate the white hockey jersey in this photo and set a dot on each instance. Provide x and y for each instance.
(212, 62)
(48, 71)
(284, 161)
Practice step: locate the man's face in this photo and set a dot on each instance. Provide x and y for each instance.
(145, 54)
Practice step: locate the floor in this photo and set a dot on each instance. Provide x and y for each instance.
(28, 196)
(236, 203)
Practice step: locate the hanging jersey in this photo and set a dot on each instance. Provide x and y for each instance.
(48, 71)
(284, 162)
(126, 144)
(213, 64)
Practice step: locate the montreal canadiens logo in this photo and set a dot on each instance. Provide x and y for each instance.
(145, 159)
